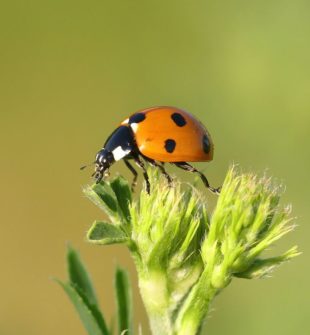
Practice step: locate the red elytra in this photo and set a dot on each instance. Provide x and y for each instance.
(189, 138)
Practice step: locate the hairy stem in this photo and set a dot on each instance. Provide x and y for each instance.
(196, 307)
(153, 288)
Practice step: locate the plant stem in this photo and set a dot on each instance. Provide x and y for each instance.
(196, 307)
(153, 288)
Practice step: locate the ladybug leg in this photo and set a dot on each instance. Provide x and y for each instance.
(135, 175)
(187, 167)
(164, 172)
(161, 168)
(145, 175)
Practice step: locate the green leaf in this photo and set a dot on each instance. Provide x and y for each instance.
(123, 194)
(103, 191)
(105, 233)
(79, 277)
(90, 315)
(124, 301)
(102, 196)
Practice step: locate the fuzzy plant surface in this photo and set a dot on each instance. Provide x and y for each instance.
(185, 255)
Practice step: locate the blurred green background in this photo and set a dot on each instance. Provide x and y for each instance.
(72, 70)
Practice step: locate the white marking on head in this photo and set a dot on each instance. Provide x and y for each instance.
(125, 121)
(119, 153)
(134, 127)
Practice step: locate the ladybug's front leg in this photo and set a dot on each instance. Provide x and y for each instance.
(140, 163)
(135, 175)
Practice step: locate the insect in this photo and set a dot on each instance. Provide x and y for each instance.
(157, 135)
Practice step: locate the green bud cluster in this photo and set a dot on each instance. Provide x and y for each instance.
(184, 256)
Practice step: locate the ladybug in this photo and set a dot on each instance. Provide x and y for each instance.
(157, 135)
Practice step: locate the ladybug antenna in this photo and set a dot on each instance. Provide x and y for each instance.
(85, 166)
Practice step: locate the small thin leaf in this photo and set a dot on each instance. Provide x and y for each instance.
(79, 276)
(96, 312)
(263, 267)
(124, 301)
(90, 316)
(105, 233)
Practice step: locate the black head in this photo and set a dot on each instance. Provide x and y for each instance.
(104, 159)
(118, 145)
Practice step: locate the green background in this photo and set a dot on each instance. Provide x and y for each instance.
(70, 71)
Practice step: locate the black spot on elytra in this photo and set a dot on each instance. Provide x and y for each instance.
(136, 118)
(170, 145)
(178, 119)
(206, 144)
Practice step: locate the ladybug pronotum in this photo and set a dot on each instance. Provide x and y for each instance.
(157, 135)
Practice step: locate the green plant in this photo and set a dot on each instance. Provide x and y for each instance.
(184, 256)
(80, 291)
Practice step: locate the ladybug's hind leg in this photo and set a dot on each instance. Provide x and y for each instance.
(160, 167)
(135, 175)
(187, 167)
